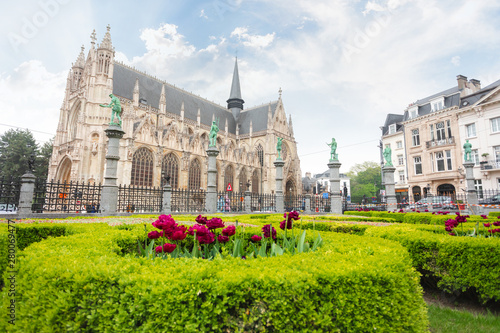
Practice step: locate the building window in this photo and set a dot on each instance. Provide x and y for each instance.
(415, 138)
(496, 151)
(170, 167)
(470, 130)
(431, 127)
(399, 144)
(401, 176)
(401, 160)
(448, 126)
(440, 131)
(228, 176)
(448, 160)
(243, 181)
(495, 125)
(142, 168)
(478, 184)
(436, 106)
(392, 128)
(418, 165)
(475, 156)
(194, 178)
(440, 161)
(260, 154)
(414, 113)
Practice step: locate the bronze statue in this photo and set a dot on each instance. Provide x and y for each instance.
(212, 137)
(333, 150)
(116, 109)
(278, 147)
(387, 156)
(467, 151)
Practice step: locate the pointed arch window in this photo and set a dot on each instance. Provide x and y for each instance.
(194, 182)
(142, 168)
(260, 154)
(228, 176)
(284, 152)
(243, 181)
(170, 167)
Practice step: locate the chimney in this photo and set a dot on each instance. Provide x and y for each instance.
(476, 83)
(462, 82)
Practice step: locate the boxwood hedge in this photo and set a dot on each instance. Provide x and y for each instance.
(85, 281)
(459, 263)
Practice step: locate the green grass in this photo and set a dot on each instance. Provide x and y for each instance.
(446, 320)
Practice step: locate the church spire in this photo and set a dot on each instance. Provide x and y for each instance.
(106, 41)
(235, 102)
(80, 61)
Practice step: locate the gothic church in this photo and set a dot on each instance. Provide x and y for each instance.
(166, 131)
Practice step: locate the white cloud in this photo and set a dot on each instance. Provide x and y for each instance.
(253, 41)
(166, 41)
(455, 61)
(31, 98)
(202, 14)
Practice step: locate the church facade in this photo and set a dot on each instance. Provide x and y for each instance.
(166, 131)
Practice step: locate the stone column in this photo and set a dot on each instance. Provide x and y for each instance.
(307, 209)
(26, 195)
(390, 189)
(109, 194)
(248, 202)
(280, 203)
(211, 196)
(167, 199)
(335, 195)
(471, 187)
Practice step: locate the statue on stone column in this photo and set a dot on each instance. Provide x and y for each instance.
(116, 109)
(333, 150)
(387, 156)
(467, 151)
(212, 137)
(278, 147)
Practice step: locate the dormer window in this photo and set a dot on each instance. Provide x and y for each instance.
(392, 128)
(437, 104)
(413, 112)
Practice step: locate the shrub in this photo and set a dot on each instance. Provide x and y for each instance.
(460, 263)
(83, 282)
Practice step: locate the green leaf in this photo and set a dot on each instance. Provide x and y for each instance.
(300, 245)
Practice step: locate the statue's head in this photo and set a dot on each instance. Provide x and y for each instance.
(110, 95)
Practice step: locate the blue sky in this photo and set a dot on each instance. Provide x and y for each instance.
(342, 65)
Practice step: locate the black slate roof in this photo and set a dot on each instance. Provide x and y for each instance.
(392, 119)
(124, 79)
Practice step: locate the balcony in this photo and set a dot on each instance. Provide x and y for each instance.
(438, 143)
(491, 165)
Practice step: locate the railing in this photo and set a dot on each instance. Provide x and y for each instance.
(263, 202)
(320, 204)
(230, 201)
(184, 201)
(10, 188)
(295, 202)
(64, 197)
(443, 142)
(139, 199)
(490, 165)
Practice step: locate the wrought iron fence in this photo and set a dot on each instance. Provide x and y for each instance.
(64, 197)
(295, 202)
(10, 189)
(320, 204)
(184, 201)
(230, 201)
(139, 199)
(262, 202)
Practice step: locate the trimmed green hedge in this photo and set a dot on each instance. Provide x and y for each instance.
(85, 283)
(460, 263)
(356, 229)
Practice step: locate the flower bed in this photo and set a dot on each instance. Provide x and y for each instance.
(86, 281)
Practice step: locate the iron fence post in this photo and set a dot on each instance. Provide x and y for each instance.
(167, 199)
(307, 209)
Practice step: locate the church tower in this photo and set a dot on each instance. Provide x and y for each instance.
(235, 102)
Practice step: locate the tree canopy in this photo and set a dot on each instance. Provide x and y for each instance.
(16, 148)
(365, 180)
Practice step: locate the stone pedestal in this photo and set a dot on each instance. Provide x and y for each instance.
(109, 194)
(307, 209)
(167, 199)
(211, 196)
(471, 187)
(390, 187)
(26, 195)
(280, 203)
(335, 195)
(248, 202)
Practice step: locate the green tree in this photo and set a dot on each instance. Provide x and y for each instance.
(43, 159)
(365, 180)
(16, 148)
